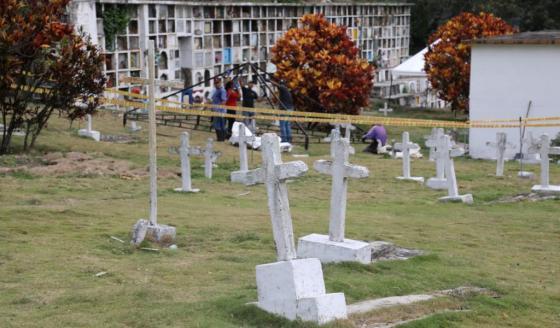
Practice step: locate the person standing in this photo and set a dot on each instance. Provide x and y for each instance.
(232, 98)
(287, 104)
(376, 134)
(219, 97)
(249, 97)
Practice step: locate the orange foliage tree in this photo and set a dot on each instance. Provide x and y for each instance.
(320, 65)
(447, 61)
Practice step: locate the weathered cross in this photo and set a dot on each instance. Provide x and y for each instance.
(543, 148)
(438, 182)
(445, 146)
(500, 145)
(239, 176)
(340, 170)
(431, 142)
(184, 153)
(274, 174)
(88, 131)
(210, 156)
(405, 146)
(385, 109)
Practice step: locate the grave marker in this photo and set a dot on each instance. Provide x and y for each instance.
(334, 247)
(292, 288)
(431, 142)
(134, 127)
(500, 145)
(150, 229)
(210, 157)
(544, 150)
(405, 146)
(439, 181)
(238, 176)
(88, 132)
(184, 153)
(385, 109)
(445, 146)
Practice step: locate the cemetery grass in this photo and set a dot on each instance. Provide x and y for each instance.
(56, 236)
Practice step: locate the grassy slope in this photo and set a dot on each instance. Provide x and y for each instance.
(55, 236)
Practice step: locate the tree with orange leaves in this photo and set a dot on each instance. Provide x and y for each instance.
(45, 67)
(448, 59)
(320, 64)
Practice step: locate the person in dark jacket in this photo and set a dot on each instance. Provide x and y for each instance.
(287, 104)
(249, 97)
(219, 97)
(376, 134)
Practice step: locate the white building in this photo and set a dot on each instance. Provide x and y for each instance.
(508, 72)
(413, 87)
(197, 40)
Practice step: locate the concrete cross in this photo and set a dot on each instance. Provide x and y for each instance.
(405, 146)
(239, 176)
(500, 145)
(532, 145)
(439, 181)
(385, 109)
(544, 149)
(184, 152)
(340, 170)
(88, 132)
(445, 147)
(431, 141)
(210, 156)
(274, 174)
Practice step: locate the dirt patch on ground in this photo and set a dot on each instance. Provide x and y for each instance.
(81, 164)
(123, 139)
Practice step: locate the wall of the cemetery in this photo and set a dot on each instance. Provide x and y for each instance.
(198, 41)
(504, 78)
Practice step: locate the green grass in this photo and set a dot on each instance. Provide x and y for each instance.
(55, 237)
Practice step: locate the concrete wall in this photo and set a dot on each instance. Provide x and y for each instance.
(83, 16)
(504, 78)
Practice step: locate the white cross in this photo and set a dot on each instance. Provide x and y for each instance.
(438, 155)
(543, 148)
(385, 109)
(405, 146)
(446, 150)
(184, 152)
(89, 123)
(500, 145)
(210, 157)
(274, 174)
(532, 149)
(239, 176)
(340, 170)
(431, 141)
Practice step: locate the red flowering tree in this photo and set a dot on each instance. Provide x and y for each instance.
(320, 64)
(447, 62)
(45, 67)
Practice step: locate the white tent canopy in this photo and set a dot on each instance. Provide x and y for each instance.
(413, 66)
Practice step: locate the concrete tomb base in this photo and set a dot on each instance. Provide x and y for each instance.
(186, 191)
(327, 251)
(546, 190)
(95, 135)
(467, 199)
(416, 179)
(295, 289)
(159, 233)
(435, 183)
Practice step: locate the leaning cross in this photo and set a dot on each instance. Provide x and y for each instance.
(405, 147)
(385, 109)
(445, 147)
(210, 157)
(340, 170)
(184, 153)
(274, 174)
(500, 145)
